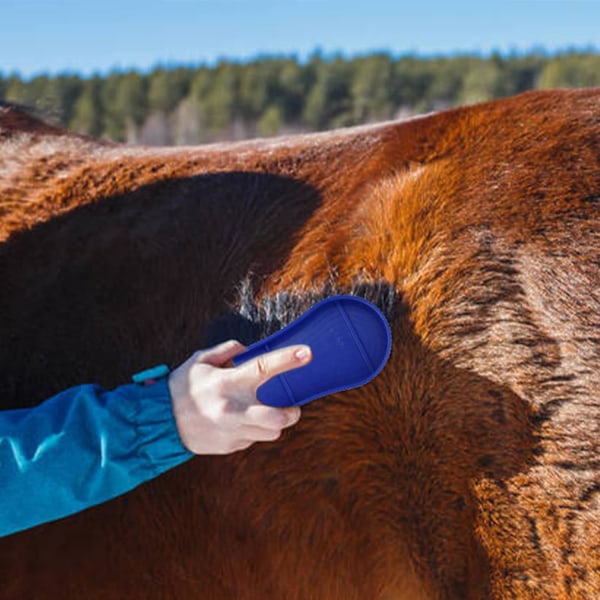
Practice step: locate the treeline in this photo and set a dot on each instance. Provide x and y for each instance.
(276, 95)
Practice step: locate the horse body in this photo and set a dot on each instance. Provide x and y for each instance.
(468, 469)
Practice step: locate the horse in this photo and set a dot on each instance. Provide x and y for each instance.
(468, 469)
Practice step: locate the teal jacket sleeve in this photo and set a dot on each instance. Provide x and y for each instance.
(82, 447)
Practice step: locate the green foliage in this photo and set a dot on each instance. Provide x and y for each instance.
(166, 88)
(271, 121)
(571, 70)
(372, 88)
(113, 121)
(15, 90)
(52, 97)
(481, 81)
(132, 98)
(87, 112)
(62, 93)
(412, 81)
(219, 103)
(269, 95)
(328, 103)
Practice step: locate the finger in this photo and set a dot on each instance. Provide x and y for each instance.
(237, 446)
(259, 434)
(217, 356)
(259, 370)
(268, 417)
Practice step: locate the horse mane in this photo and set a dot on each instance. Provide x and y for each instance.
(251, 318)
(20, 118)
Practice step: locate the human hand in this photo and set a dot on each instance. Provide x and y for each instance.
(215, 406)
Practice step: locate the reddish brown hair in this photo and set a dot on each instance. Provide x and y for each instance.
(470, 468)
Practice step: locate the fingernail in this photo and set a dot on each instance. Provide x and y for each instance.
(303, 353)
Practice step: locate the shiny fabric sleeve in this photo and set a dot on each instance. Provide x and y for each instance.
(82, 447)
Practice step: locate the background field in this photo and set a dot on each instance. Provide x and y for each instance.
(193, 71)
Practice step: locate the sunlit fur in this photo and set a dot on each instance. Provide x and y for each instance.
(469, 469)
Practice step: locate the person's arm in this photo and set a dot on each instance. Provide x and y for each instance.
(87, 445)
(82, 447)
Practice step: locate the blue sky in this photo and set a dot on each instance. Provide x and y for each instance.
(78, 36)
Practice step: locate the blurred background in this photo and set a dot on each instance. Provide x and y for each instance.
(193, 71)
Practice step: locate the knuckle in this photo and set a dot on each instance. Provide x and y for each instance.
(262, 367)
(198, 356)
(291, 420)
(229, 345)
(267, 434)
(216, 412)
(273, 435)
(222, 388)
(232, 447)
(240, 445)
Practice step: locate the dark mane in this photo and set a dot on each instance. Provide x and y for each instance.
(252, 318)
(16, 117)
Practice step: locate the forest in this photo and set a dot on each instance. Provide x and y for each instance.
(276, 95)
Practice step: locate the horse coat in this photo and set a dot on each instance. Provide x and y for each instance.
(468, 469)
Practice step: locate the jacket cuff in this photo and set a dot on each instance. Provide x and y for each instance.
(158, 442)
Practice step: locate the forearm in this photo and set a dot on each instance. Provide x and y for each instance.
(83, 447)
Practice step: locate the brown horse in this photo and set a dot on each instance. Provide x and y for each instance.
(469, 469)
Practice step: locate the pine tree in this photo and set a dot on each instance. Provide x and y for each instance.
(87, 112)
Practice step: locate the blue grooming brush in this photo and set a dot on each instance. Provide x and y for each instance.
(350, 341)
